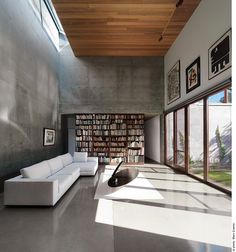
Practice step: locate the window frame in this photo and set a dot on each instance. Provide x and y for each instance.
(185, 105)
(54, 18)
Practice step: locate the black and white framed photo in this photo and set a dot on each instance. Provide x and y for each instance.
(173, 83)
(49, 136)
(219, 55)
(193, 76)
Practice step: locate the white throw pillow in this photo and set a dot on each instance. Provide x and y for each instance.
(55, 164)
(67, 159)
(40, 170)
(80, 156)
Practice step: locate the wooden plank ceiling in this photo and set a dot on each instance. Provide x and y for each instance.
(123, 27)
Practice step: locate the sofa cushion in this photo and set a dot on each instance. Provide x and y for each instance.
(66, 159)
(72, 169)
(80, 156)
(88, 166)
(40, 170)
(55, 164)
(64, 182)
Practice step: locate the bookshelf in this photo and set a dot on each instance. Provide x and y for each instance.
(111, 137)
(118, 142)
(135, 138)
(84, 133)
(101, 138)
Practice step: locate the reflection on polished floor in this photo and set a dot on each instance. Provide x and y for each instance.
(184, 215)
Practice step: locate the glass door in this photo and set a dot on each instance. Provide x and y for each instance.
(196, 147)
(169, 138)
(219, 138)
(180, 138)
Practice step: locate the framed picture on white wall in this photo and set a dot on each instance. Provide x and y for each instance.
(219, 55)
(173, 83)
(193, 77)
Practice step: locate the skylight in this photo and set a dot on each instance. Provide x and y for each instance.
(46, 13)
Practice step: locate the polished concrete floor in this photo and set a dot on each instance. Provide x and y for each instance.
(185, 215)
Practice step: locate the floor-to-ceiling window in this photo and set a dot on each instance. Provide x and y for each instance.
(219, 132)
(169, 139)
(196, 150)
(203, 146)
(180, 137)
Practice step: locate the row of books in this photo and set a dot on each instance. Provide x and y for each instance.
(118, 150)
(101, 149)
(84, 122)
(118, 132)
(84, 138)
(117, 154)
(134, 132)
(85, 116)
(101, 138)
(101, 121)
(83, 144)
(115, 126)
(118, 139)
(135, 126)
(117, 144)
(118, 121)
(101, 127)
(85, 127)
(102, 116)
(100, 144)
(89, 150)
(101, 132)
(135, 138)
(84, 132)
(135, 144)
(136, 152)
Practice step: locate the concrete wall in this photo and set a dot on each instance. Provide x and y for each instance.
(152, 133)
(209, 22)
(110, 84)
(28, 89)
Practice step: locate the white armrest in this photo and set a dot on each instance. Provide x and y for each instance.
(26, 191)
(92, 159)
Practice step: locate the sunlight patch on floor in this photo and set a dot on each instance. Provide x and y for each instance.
(139, 189)
(201, 227)
(162, 202)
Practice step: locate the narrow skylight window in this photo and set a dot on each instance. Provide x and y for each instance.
(46, 13)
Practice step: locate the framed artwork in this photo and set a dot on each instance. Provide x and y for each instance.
(193, 76)
(48, 136)
(219, 55)
(173, 83)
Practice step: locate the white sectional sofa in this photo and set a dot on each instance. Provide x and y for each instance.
(44, 183)
(88, 165)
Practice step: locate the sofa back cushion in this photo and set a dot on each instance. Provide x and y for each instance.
(55, 164)
(40, 170)
(80, 156)
(66, 159)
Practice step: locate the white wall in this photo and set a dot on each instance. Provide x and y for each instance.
(152, 138)
(209, 22)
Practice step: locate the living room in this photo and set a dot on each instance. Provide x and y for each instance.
(161, 109)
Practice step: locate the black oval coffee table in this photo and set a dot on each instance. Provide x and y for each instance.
(122, 177)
